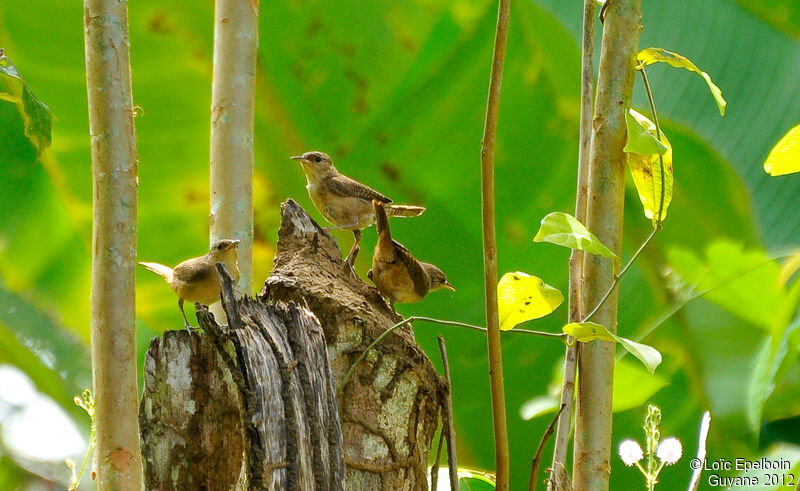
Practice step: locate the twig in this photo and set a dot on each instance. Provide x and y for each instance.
(435, 466)
(537, 459)
(411, 319)
(618, 277)
(448, 422)
(652, 102)
(490, 249)
(674, 308)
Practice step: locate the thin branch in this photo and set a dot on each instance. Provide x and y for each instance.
(537, 459)
(411, 319)
(435, 466)
(448, 423)
(576, 258)
(619, 276)
(652, 102)
(490, 249)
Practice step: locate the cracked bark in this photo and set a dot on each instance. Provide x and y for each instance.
(253, 405)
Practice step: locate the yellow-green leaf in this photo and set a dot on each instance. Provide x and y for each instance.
(646, 171)
(784, 158)
(522, 297)
(790, 267)
(565, 230)
(641, 139)
(585, 332)
(649, 56)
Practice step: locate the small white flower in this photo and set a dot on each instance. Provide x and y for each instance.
(669, 451)
(630, 452)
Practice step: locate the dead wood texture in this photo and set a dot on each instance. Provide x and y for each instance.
(389, 408)
(253, 405)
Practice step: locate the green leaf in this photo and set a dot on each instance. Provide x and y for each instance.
(641, 135)
(585, 332)
(790, 267)
(35, 114)
(533, 408)
(649, 56)
(565, 230)
(744, 282)
(784, 158)
(646, 169)
(633, 385)
(522, 297)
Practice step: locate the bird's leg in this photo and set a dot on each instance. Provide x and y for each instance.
(351, 257)
(185, 320)
(350, 226)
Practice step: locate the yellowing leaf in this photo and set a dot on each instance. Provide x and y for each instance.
(585, 332)
(522, 297)
(649, 56)
(784, 158)
(646, 171)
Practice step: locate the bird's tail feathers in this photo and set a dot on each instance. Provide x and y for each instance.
(404, 210)
(381, 220)
(159, 269)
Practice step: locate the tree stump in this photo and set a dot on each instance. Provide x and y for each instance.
(253, 405)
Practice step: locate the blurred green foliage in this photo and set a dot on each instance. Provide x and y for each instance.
(396, 93)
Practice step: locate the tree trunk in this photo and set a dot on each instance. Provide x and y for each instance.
(232, 113)
(114, 161)
(591, 466)
(249, 405)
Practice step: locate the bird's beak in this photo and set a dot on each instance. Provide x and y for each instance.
(297, 157)
(449, 286)
(235, 242)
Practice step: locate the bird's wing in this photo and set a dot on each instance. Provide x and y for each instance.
(159, 269)
(194, 270)
(415, 271)
(344, 186)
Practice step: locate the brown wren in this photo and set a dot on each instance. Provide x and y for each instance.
(196, 279)
(398, 275)
(343, 201)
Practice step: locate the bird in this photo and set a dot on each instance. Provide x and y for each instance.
(196, 279)
(345, 202)
(396, 273)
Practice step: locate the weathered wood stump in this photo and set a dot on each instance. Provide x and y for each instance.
(253, 405)
(389, 409)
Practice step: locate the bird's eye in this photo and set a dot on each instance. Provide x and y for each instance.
(219, 247)
(317, 159)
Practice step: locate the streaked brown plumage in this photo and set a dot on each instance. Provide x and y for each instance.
(345, 202)
(196, 279)
(397, 274)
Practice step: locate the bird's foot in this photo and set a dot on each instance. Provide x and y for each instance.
(189, 328)
(351, 258)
